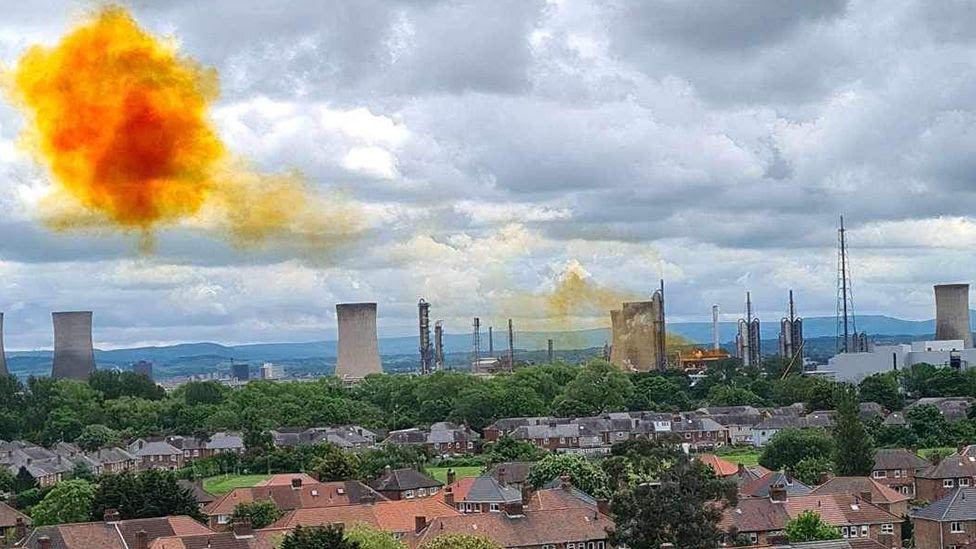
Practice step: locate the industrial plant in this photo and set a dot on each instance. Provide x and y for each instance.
(748, 340)
(74, 355)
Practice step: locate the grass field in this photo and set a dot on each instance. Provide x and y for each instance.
(440, 473)
(221, 484)
(746, 456)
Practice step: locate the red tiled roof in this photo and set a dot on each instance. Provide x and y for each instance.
(392, 516)
(119, 535)
(559, 498)
(286, 478)
(856, 485)
(761, 514)
(721, 467)
(534, 528)
(9, 516)
(459, 488)
(269, 538)
(316, 494)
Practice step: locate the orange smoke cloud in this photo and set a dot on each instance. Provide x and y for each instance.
(121, 120)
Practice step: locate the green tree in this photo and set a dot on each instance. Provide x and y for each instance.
(260, 513)
(317, 537)
(94, 437)
(204, 392)
(373, 462)
(655, 392)
(599, 387)
(730, 395)
(336, 465)
(683, 508)
(790, 446)
(808, 526)
(150, 493)
(369, 538)
(509, 449)
(853, 453)
(460, 541)
(809, 470)
(928, 425)
(883, 389)
(7, 480)
(582, 473)
(68, 501)
(114, 384)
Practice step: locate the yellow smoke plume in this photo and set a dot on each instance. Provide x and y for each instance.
(121, 120)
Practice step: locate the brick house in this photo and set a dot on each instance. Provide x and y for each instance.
(937, 481)
(157, 455)
(397, 484)
(113, 534)
(762, 521)
(296, 495)
(552, 436)
(948, 523)
(505, 426)
(13, 525)
(869, 490)
(701, 433)
(482, 494)
(897, 468)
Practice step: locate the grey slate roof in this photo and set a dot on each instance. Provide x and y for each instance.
(225, 441)
(486, 489)
(512, 472)
(156, 448)
(959, 505)
(953, 466)
(760, 487)
(398, 480)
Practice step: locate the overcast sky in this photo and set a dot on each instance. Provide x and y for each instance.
(494, 142)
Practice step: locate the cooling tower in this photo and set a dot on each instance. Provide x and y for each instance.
(74, 357)
(359, 353)
(3, 359)
(636, 334)
(952, 313)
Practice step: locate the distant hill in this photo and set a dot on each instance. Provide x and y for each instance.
(396, 351)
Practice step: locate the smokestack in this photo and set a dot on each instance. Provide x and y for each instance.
(550, 351)
(74, 356)
(715, 336)
(511, 345)
(476, 342)
(3, 359)
(358, 350)
(439, 344)
(426, 352)
(952, 313)
(491, 342)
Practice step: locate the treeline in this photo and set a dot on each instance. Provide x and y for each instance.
(115, 406)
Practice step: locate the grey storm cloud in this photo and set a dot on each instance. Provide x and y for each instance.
(492, 142)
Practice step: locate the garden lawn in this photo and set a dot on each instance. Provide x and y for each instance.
(440, 473)
(221, 484)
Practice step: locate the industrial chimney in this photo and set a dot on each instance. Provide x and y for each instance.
(3, 359)
(74, 356)
(952, 313)
(715, 336)
(359, 353)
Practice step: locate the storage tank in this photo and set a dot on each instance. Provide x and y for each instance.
(952, 313)
(359, 353)
(74, 356)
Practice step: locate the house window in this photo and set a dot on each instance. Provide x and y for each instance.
(844, 532)
(957, 527)
(223, 519)
(879, 474)
(964, 482)
(421, 492)
(545, 441)
(887, 528)
(688, 435)
(897, 473)
(408, 494)
(947, 483)
(470, 445)
(494, 508)
(864, 531)
(432, 490)
(753, 537)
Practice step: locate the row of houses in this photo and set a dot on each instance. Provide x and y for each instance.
(48, 466)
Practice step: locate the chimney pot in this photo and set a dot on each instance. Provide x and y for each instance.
(565, 482)
(44, 542)
(142, 540)
(419, 522)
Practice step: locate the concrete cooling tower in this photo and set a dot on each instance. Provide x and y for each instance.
(3, 359)
(74, 356)
(359, 353)
(952, 313)
(636, 335)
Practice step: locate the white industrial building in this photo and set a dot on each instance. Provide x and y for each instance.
(952, 347)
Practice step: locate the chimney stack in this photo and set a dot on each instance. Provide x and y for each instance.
(777, 492)
(514, 509)
(449, 496)
(451, 476)
(566, 483)
(243, 529)
(111, 516)
(419, 523)
(44, 542)
(715, 334)
(142, 540)
(20, 530)
(296, 483)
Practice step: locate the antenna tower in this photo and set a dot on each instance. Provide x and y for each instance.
(846, 325)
